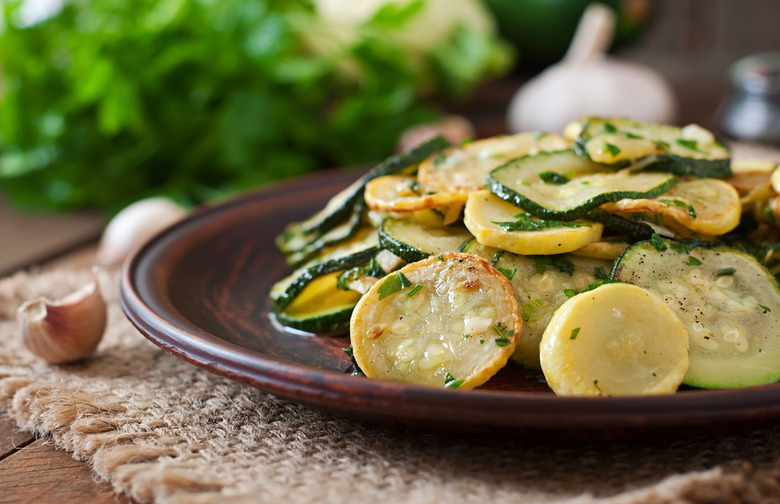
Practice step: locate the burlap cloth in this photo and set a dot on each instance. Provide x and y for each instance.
(161, 430)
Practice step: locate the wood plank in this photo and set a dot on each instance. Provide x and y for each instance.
(11, 438)
(40, 237)
(39, 473)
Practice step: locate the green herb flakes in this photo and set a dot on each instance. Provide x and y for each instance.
(613, 149)
(526, 222)
(528, 310)
(599, 273)
(658, 242)
(451, 382)
(414, 290)
(551, 177)
(725, 272)
(393, 284)
(693, 261)
(574, 333)
(509, 273)
(570, 293)
(765, 308)
(609, 128)
(681, 204)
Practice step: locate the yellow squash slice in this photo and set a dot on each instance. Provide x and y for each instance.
(542, 285)
(703, 205)
(400, 193)
(464, 169)
(447, 321)
(615, 340)
(483, 210)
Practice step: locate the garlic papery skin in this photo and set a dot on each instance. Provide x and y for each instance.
(133, 226)
(66, 330)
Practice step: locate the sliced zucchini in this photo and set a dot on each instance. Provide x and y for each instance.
(541, 285)
(728, 301)
(464, 169)
(413, 241)
(521, 182)
(400, 193)
(338, 234)
(284, 292)
(615, 340)
(703, 205)
(750, 173)
(691, 150)
(605, 249)
(340, 211)
(321, 307)
(473, 247)
(496, 223)
(447, 321)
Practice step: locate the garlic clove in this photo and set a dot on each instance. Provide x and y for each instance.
(66, 330)
(134, 225)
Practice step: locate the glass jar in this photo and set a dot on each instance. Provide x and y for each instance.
(752, 111)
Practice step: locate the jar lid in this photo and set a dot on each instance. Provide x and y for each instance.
(758, 73)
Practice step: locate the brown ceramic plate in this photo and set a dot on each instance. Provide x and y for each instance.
(200, 291)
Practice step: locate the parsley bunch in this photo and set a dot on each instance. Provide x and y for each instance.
(109, 101)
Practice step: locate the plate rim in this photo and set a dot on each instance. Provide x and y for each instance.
(530, 413)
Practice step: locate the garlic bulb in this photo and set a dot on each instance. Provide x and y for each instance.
(133, 226)
(588, 82)
(66, 330)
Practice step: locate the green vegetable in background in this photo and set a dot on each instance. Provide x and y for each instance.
(110, 101)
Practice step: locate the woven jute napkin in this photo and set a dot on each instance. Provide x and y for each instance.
(161, 430)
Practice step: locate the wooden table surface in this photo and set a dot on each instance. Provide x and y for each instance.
(31, 469)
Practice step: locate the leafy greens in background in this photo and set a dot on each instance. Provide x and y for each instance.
(109, 101)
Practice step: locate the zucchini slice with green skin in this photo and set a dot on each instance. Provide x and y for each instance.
(449, 321)
(541, 285)
(341, 208)
(727, 300)
(522, 182)
(499, 224)
(691, 150)
(707, 206)
(284, 292)
(615, 340)
(338, 234)
(413, 241)
(463, 169)
(321, 307)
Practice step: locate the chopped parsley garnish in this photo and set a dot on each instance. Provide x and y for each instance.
(569, 292)
(414, 186)
(481, 342)
(441, 158)
(725, 272)
(528, 310)
(509, 273)
(664, 146)
(466, 335)
(503, 335)
(609, 128)
(551, 177)
(452, 382)
(613, 149)
(683, 247)
(693, 261)
(466, 141)
(544, 262)
(689, 144)
(594, 285)
(681, 204)
(414, 290)
(658, 242)
(392, 284)
(599, 273)
(526, 222)
(372, 270)
(633, 136)
(574, 333)
(765, 308)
